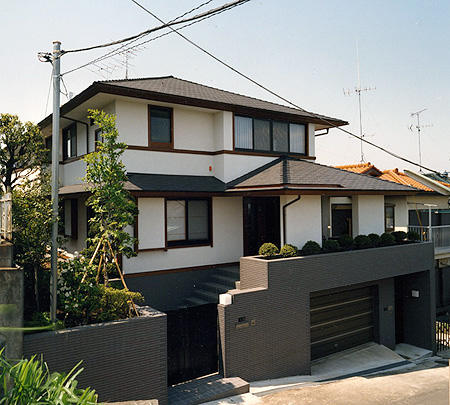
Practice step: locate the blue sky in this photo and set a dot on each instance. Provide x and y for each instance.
(303, 50)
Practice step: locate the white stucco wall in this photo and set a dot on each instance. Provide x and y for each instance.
(72, 172)
(227, 243)
(223, 130)
(151, 223)
(132, 122)
(193, 130)
(368, 214)
(441, 201)
(303, 220)
(234, 166)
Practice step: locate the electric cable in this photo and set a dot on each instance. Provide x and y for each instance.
(283, 98)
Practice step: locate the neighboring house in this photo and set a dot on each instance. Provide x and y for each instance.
(215, 175)
(432, 202)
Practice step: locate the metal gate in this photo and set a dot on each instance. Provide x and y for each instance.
(442, 332)
(191, 342)
(341, 320)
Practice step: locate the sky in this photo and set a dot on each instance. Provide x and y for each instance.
(305, 51)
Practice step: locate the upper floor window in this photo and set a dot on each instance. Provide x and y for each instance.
(98, 139)
(269, 136)
(160, 126)
(188, 222)
(70, 142)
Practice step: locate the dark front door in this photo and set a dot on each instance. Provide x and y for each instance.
(261, 223)
(191, 342)
(341, 220)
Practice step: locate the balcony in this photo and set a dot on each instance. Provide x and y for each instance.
(440, 236)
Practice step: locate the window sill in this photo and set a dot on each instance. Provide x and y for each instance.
(190, 245)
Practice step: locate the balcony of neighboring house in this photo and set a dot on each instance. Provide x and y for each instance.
(432, 225)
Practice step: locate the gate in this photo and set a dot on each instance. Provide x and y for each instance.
(192, 349)
(442, 332)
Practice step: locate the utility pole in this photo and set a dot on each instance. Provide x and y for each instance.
(358, 91)
(56, 56)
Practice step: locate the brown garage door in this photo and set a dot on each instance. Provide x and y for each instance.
(341, 320)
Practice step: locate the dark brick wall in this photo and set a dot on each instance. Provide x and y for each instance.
(277, 342)
(122, 360)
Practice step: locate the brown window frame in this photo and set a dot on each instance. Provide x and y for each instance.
(386, 229)
(190, 242)
(159, 145)
(65, 133)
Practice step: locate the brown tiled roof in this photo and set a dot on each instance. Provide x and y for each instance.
(362, 168)
(173, 90)
(293, 174)
(398, 177)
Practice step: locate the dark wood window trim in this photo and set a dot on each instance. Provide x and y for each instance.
(66, 132)
(98, 137)
(252, 151)
(160, 145)
(186, 243)
(386, 229)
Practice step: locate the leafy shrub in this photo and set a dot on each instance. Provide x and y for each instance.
(81, 300)
(399, 236)
(311, 248)
(289, 250)
(346, 242)
(331, 245)
(374, 239)
(363, 242)
(30, 382)
(413, 236)
(268, 250)
(386, 239)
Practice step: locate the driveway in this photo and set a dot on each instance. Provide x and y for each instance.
(424, 383)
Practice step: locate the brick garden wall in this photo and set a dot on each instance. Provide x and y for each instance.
(122, 360)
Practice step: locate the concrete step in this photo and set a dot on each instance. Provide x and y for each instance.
(193, 301)
(215, 287)
(206, 295)
(231, 271)
(224, 280)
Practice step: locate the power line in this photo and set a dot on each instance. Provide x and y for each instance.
(281, 97)
(225, 7)
(127, 47)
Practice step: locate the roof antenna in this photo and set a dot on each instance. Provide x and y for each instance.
(418, 126)
(358, 91)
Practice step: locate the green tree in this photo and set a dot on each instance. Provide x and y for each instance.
(114, 208)
(32, 220)
(22, 150)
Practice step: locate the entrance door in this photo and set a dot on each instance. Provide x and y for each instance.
(192, 349)
(261, 223)
(341, 220)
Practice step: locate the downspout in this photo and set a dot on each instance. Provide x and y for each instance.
(87, 130)
(284, 217)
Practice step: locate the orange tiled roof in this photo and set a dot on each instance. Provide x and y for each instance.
(361, 168)
(398, 177)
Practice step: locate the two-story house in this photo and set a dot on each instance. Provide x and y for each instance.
(216, 174)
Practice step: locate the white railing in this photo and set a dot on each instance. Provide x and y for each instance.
(440, 235)
(5, 218)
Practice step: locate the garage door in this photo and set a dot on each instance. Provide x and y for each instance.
(341, 320)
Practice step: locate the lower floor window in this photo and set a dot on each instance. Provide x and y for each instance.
(188, 222)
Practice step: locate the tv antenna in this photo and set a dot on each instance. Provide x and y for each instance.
(418, 126)
(358, 91)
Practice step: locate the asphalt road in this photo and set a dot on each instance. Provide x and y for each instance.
(424, 383)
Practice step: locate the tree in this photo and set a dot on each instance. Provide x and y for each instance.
(22, 150)
(114, 208)
(32, 222)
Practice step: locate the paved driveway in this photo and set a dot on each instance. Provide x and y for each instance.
(423, 383)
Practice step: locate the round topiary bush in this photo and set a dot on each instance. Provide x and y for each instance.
(363, 242)
(346, 242)
(289, 250)
(311, 248)
(268, 250)
(386, 239)
(374, 239)
(331, 245)
(399, 236)
(413, 236)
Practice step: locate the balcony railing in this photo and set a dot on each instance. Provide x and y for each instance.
(440, 235)
(5, 218)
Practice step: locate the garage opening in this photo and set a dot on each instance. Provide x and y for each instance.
(341, 320)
